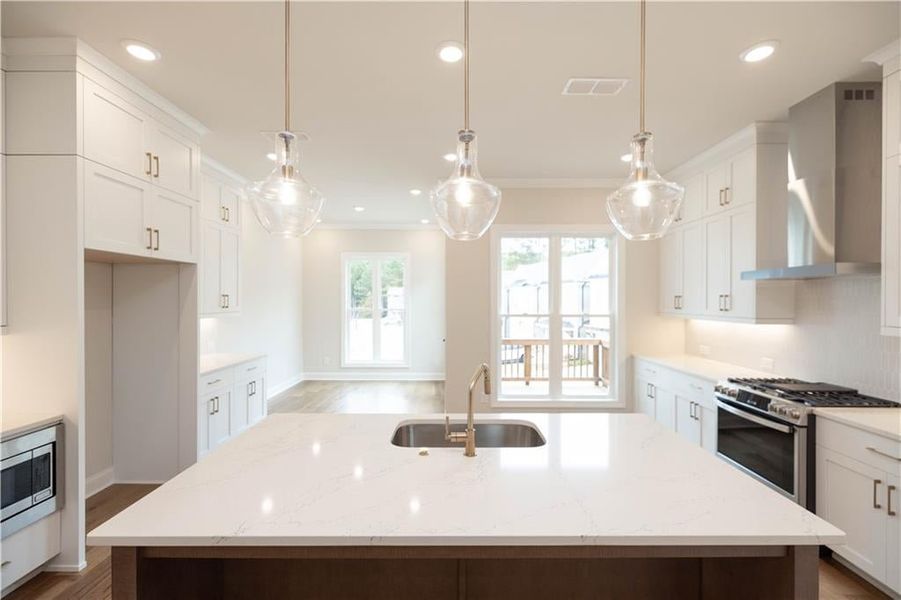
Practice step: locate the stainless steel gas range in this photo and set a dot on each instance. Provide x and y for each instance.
(767, 428)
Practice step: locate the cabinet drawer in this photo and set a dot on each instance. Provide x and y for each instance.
(868, 448)
(695, 389)
(252, 369)
(29, 548)
(223, 378)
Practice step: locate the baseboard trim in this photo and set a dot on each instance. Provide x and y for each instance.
(65, 568)
(98, 482)
(372, 376)
(276, 389)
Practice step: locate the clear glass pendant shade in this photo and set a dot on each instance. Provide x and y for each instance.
(285, 203)
(465, 205)
(647, 204)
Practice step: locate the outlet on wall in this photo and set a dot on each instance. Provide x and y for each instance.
(767, 364)
(704, 350)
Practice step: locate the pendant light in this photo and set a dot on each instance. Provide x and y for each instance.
(646, 205)
(465, 205)
(285, 203)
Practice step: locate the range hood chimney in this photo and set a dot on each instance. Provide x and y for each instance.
(834, 200)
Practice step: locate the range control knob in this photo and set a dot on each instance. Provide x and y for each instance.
(794, 413)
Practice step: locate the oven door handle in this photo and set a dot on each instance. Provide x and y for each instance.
(752, 417)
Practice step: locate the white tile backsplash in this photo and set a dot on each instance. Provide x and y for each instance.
(835, 338)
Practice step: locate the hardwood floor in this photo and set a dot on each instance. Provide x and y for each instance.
(361, 397)
(92, 583)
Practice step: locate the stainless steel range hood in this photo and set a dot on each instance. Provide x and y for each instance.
(835, 184)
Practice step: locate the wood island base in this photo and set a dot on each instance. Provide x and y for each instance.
(465, 572)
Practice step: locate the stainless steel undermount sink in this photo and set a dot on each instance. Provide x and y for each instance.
(488, 435)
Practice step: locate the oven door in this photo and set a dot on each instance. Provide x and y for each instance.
(768, 450)
(16, 485)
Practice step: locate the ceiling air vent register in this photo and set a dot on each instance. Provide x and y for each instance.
(594, 86)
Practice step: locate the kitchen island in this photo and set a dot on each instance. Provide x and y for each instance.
(324, 506)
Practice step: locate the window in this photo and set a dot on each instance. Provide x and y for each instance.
(376, 309)
(555, 300)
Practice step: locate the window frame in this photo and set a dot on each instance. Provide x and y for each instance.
(375, 258)
(618, 384)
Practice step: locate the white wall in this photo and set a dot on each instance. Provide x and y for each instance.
(98, 349)
(835, 338)
(270, 318)
(468, 286)
(322, 307)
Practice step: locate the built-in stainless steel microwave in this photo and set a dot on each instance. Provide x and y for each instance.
(31, 486)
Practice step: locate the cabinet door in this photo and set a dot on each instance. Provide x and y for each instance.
(210, 191)
(671, 272)
(175, 227)
(644, 398)
(230, 269)
(686, 424)
(175, 161)
(238, 408)
(210, 261)
(742, 185)
(718, 263)
(847, 496)
(743, 257)
(219, 419)
(206, 410)
(116, 211)
(694, 267)
(256, 401)
(891, 246)
(693, 201)
(707, 417)
(717, 180)
(665, 402)
(115, 132)
(230, 201)
(893, 533)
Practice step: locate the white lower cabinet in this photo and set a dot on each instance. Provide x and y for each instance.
(679, 401)
(859, 491)
(28, 549)
(231, 399)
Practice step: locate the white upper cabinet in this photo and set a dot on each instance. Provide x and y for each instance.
(890, 61)
(116, 211)
(114, 132)
(174, 227)
(175, 161)
(220, 273)
(220, 199)
(732, 221)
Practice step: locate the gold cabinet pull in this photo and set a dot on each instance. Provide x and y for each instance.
(156, 163)
(888, 502)
(876, 483)
(726, 199)
(156, 245)
(212, 406)
(149, 238)
(149, 163)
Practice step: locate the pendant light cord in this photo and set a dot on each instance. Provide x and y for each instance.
(287, 65)
(641, 69)
(466, 65)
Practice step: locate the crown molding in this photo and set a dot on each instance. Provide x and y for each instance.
(885, 54)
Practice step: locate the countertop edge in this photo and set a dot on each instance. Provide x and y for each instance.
(826, 413)
(228, 362)
(29, 426)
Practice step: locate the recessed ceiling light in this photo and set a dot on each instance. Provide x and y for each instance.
(450, 52)
(415, 192)
(424, 221)
(141, 51)
(450, 157)
(759, 52)
(271, 156)
(359, 208)
(626, 158)
(319, 220)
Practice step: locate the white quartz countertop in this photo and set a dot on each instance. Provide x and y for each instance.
(704, 368)
(335, 479)
(881, 421)
(15, 423)
(207, 363)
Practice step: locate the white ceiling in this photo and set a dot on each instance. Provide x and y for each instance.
(382, 109)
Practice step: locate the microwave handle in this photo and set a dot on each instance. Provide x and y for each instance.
(754, 418)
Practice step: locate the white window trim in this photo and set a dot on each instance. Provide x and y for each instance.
(619, 386)
(404, 257)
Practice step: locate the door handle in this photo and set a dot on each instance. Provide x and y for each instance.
(876, 483)
(156, 246)
(149, 238)
(888, 502)
(149, 163)
(156, 163)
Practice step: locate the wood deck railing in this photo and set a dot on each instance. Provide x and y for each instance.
(583, 360)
